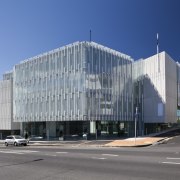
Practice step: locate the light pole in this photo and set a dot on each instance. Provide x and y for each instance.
(136, 116)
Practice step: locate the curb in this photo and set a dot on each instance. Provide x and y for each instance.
(86, 144)
(135, 146)
(162, 141)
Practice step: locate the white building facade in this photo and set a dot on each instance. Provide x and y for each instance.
(7, 126)
(88, 88)
(80, 88)
(156, 92)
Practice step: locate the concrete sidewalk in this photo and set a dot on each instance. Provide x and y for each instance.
(128, 142)
(136, 142)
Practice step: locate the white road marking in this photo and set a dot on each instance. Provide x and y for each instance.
(98, 158)
(172, 158)
(113, 155)
(17, 151)
(62, 152)
(175, 163)
(53, 155)
(11, 152)
(26, 151)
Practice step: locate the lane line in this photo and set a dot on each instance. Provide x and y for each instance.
(51, 155)
(174, 163)
(11, 152)
(113, 155)
(98, 158)
(172, 158)
(24, 151)
(17, 151)
(62, 152)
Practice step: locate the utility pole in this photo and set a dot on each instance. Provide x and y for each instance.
(135, 125)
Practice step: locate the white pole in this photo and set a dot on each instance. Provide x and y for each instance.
(96, 133)
(136, 114)
(158, 52)
(157, 43)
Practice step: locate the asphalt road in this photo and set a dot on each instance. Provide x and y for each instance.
(87, 163)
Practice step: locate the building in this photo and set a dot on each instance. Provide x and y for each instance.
(155, 92)
(7, 126)
(85, 87)
(79, 88)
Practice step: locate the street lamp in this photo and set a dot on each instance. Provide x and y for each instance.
(135, 121)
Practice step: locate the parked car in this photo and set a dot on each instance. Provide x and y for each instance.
(34, 137)
(15, 140)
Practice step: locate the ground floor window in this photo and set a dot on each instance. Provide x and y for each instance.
(76, 129)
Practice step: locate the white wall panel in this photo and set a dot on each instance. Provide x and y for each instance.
(6, 120)
(160, 87)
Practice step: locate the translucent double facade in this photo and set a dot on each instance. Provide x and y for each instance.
(83, 81)
(51, 87)
(87, 88)
(108, 84)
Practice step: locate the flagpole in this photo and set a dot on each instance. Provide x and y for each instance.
(90, 35)
(158, 52)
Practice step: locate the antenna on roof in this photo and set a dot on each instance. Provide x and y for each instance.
(158, 52)
(90, 35)
(157, 43)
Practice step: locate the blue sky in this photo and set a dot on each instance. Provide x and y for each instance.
(28, 28)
